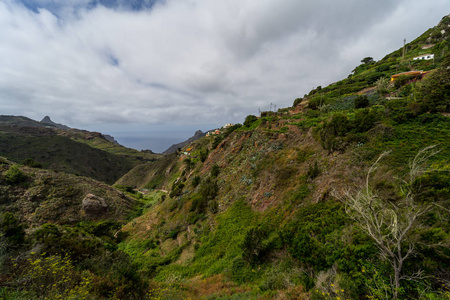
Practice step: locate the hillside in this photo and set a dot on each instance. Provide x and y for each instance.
(344, 195)
(259, 210)
(41, 196)
(68, 150)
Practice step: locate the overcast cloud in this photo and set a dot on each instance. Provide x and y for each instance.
(152, 65)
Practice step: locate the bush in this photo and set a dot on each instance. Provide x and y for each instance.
(196, 181)
(434, 92)
(215, 170)
(372, 78)
(361, 102)
(240, 272)
(53, 276)
(297, 101)
(199, 204)
(402, 80)
(14, 175)
(31, 163)
(217, 140)
(249, 120)
(365, 119)
(332, 132)
(209, 189)
(254, 248)
(177, 189)
(313, 171)
(203, 155)
(11, 230)
(188, 163)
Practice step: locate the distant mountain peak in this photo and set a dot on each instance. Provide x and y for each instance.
(198, 134)
(46, 120)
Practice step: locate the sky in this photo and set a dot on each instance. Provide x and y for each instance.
(152, 72)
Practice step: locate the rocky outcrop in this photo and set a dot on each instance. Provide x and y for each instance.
(47, 121)
(93, 206)
(197, 135)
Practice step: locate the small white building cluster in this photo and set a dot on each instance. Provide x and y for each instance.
(424, 57)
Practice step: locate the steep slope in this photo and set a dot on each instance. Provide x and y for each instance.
(264, 210)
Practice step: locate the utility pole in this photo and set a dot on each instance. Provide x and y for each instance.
(404, 48)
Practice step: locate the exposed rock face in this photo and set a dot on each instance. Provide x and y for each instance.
(110, 138)
(93, 206)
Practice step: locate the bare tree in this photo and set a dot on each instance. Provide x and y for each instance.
(390, 224)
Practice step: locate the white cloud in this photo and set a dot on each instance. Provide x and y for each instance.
(188, 62)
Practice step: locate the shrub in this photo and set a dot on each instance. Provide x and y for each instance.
(217, 140)
(434, 92)
(333, 130)
(215, 170)
(402, 80)
(177, 189)
(249, 120)
(361, 102)
(313, 171)
(14, 175)
(240, 272)
(372, 78)
(53, 276)
(213, 206)
(382, 86)
(31, 163)
(365, 119)
(196, 181)
(203, 155)
(297, 101)
(11, 230)
(254, 248)
(188, 163)
(315, 103)
(199, 204)
(209, 189)
(383, 68)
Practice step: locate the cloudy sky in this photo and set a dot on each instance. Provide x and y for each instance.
(151, 72)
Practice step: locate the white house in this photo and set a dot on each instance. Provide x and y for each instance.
(424, 57)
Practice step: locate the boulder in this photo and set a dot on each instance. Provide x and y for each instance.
(94, 206)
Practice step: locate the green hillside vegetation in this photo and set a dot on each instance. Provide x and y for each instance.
(344, 195)
(46, 229)
(98, 141)
(72, 151)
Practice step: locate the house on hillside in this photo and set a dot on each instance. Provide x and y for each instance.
(214, 132)
(417, 74)
(424, 57)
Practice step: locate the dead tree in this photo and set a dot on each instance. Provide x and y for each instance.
(390, 224)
